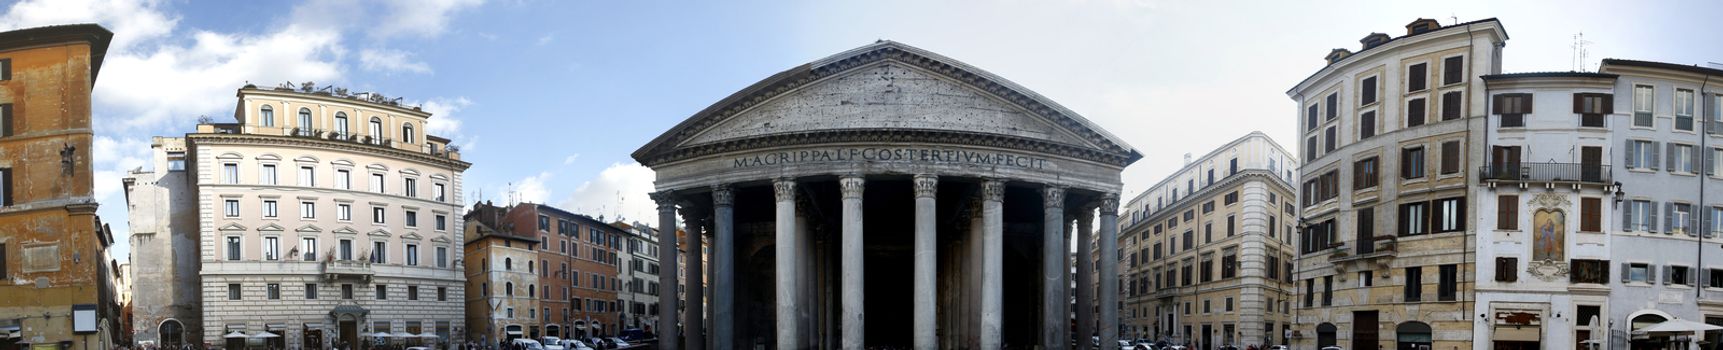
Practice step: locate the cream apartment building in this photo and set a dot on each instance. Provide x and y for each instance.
(1207, 252)
(324, 218)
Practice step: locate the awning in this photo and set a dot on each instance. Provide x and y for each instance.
(1677, 326)
(236, 335)
(1517, 334)
(10, 332)
(265, 334)
(514, 332)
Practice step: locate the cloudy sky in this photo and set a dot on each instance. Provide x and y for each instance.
(548, 98)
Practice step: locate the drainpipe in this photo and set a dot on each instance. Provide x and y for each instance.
(1704, 135)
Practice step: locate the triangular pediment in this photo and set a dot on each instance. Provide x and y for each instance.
(379, 233)
(886, 95)
(412, 236)
(232, 227)
(308, 228)
(888, 88)
(271, 227)
(345, 230)
(440, 239)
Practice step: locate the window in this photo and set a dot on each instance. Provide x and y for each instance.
(1508, 212)
(308, 247)
(1453, 70)
(232, 248)
(346, 249)
(3, 273)
(544, 223)
(377, 215)
(1450, 214)
(347, 291)
(382, 292)
(1451, 105)
(233, 291)
(442, 222)
(307, 210)
(1684, 109)
(1317, 237)
(379, 252)
(1365, 173)
(1642, 106)
(1309, 148)
(1416, 76)
(1678, 275)
(1414, 287)
(407, 133)
(1229, 265)
(1333, 106)
(1642, 155)
(267, 175)
(307, 176)
(1415, 110)
(376, 127)
(271, 248)
(1682, 158)
(231, 208)
(341, 123)
(1367, 125)
(412, 292)
(1412, 163)
(1328, 290)
(344, 179)
(1681, 218)
(1716, 222)
(1589, 271)
(344, 212)
(1413, 218)
(412, 218)
(1591, 214)
(269, 209)
(1513, 108)
(304, 121)
(1231, 225)
(442, 257)
(1310, 118)
(1637, 273)
(268, 114)
(1450, 157)
(1507, 269)
(230, 173)
(1309, 292)
(272, 291)
(377, 183)
(412, 255)
(1367, 91)
(1330, 139)
(1716, 278)
(442, 293)
(411, 186)
(1366, 278)
(437, 192)
(310, 291)
(1592, 107)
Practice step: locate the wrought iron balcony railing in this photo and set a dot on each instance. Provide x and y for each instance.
(1547, 172)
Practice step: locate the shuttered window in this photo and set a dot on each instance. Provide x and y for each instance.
(1415, 110)
(1592, 107)
(1367, 125)
(1367, 91)
(1512, 108)
(1451, 105)
(1590, 215)
(1416, 75)
(1450, 157)
(1333, 106)
(1453, 70)
(1507, 269)
(1412, 163)
(1508, 212)
(1365, 173)
(8, 122)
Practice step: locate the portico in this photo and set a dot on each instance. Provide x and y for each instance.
(885, 196)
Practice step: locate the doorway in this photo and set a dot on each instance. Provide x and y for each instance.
(1364, 330)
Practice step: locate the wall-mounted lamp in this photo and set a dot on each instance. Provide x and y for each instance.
(1619, 195)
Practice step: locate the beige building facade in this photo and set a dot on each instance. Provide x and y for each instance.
(1207, 252)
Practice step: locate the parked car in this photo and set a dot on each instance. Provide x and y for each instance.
(1126, 345)
(618, 342)
(571, 344)
(1144, 346)
(552, 343)
(1332, 347)
(528, 344)
(418, 348)
(1278, 347)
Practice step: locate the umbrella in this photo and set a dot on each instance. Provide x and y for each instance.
(1678, 326)
(404, 335)
(265, 334)
(427, 335)
(236, 335)
(381, 335)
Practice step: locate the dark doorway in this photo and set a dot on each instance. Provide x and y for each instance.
(1325, 335)
(1591, 163)
(1364, 330)
(349, 333)
(1415, 335)
(172, 334)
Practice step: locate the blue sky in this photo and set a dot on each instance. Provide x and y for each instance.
(548, 98)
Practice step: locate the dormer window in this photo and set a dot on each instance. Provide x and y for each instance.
(1422, 25)
(1337, 55)
(1374, 40)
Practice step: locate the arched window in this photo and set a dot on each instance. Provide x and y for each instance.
(172, 334)
(267, 114)
(509, 289)
(407, 132)
(1412, 335)
(508, 263)
(1325, 335)
(376, 127)
(531, 291)
(304, 118)
(341, 123)
(529, 266)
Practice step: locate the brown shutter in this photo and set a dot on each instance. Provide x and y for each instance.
(1497, 104)
(1450, 157)
(6, 187)
(1608, 103)
(6, 120)
(1507, 207)
(1590, 214)
(3, 274)
(6, 69)
(1578, 103)
(1525, 104)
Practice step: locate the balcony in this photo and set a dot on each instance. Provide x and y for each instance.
(1547, 172)
(339, 269)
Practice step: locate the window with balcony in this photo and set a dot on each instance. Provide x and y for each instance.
(1513, 109)
(376, 127)
(407, 134)
(341, 123)
(379, 252)
(1684, 109)
(1643, 101)
(346, 249)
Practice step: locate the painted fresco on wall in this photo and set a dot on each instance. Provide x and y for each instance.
(1549, 233)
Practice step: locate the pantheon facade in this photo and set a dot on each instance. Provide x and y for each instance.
(888, 196)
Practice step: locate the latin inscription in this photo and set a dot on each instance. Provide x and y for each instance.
(889, 154)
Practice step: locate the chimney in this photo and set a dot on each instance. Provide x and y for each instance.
(1422, 25)
(1374, 40)
(1337, 55)
(1187, 159)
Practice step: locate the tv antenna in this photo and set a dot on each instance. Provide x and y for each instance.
(1579, 52)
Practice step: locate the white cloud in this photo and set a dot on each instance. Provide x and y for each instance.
(546, 39)
(419, 18)
(391, 61)
(570, 159)
(619, 192)
(116, 157)
(443, 121)
(150, 87)
(532, 189)
(132, 21)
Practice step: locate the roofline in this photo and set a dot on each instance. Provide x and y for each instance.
(1210, 154)
(561, 212)
(1695, 69)
(1379, 47)
(1534, 75)
(92, 33)
(254, 89)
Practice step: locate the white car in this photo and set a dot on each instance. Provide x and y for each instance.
(529, 344)
(418, 348)
(1278, 347)
(1125, 345)
(571, 344)
(1331, 347)
(617, 342)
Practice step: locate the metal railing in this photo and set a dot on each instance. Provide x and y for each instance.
(1547, 172)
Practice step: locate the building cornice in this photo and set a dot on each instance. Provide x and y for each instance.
(1205, 193)
(1493, 26)
(251, 90)
(822, 137)
(666, 147)
(91, 33)
(268, 140)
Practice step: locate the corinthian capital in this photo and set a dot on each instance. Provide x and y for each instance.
(666, 200)
(722, 196)
(1110, 204)
(852, 186)
(926, 186)
(784, 188)
(993, 190)
(1053, 197)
